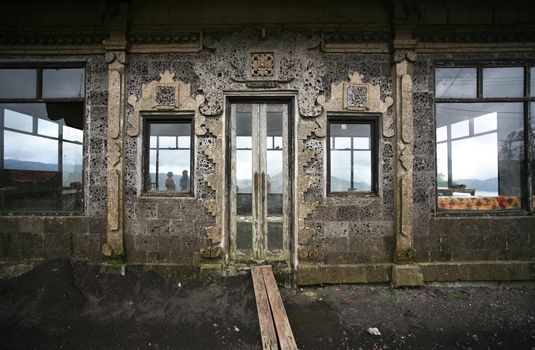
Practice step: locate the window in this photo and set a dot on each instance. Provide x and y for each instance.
(41, 139)
(352, 155)
(480, 139)
(168, 162)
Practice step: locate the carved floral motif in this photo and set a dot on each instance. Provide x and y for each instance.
(262, 64)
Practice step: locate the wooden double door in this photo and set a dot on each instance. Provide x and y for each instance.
(260, 186)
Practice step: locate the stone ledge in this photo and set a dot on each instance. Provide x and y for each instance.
(308, 274)
(478, 271)
(407, 276)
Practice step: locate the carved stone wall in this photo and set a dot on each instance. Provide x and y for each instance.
(226, 65)
(35, 237)
(348, 229)
(453, 238)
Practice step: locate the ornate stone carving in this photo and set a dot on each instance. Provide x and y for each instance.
(114, 238)
(287, 53)
(353, 95)
(162, 95)
(356, 97)
(168, 94)
(404, 167)
(262, 64)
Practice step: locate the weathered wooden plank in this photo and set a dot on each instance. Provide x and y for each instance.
(267, 329)
(284, 331)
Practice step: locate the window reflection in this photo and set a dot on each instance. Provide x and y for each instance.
(503, 82)
(41, 169)
(169, 156)
(484, 157)
(456, 82)
(350, 157)
(18, 83)
(63, 83)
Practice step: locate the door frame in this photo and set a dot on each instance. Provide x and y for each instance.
(288, 98)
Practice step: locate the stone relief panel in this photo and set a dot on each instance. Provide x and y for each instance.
(225, 65)
(350, 95)
(170, 95)
(285, 61)
(262, 64)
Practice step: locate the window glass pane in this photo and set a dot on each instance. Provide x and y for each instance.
(244, 236)
(41, 172)
(167, 141)
(487, 122)
(460, 129)
(487, 162)
(361, 143)
(28, 152)
(342, 142)
(473, 168)
(169, 167)
(16, 120)
(442, 165)
(275, 237)
(503, 82)
(340, 171)
(46, 128)
(72, 176)
(456, 82)
(442, 133)
(173, 170)
(18, 83)
(351, 170)
(73, 134)
(184, 141)
(63, 83)
(277, 142)
(362, 171)
(244, 142)
(532, 83)
(152, 178)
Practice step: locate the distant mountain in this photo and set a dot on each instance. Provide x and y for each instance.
(339, 185)
(490, 185)
(16, 164)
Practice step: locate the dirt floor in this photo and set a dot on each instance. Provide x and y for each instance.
(66, 305)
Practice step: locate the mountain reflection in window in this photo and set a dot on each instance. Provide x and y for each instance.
(350, 157)
(480, 150)
(42, 156)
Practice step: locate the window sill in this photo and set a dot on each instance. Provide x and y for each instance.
(167, 195)
(353, 194)
(481, 214)
(43, 213)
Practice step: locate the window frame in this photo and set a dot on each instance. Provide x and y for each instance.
(526, 99)
(162, 118)
(370, 119)
(39, 67)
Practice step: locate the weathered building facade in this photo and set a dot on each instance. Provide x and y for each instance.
(343, 142)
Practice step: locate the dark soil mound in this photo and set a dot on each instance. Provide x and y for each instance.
(62, 304)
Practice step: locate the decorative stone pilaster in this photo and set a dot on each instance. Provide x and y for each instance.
(116, 113)
(404, 273)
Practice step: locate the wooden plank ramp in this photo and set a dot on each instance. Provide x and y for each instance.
(275, 328)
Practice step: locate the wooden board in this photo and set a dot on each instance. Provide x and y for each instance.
(282, 325)
(267, 329)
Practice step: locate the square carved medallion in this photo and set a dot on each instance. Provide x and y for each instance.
(262, 64)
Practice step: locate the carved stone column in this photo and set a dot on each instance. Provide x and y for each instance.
(404, 272)
(115, 56)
